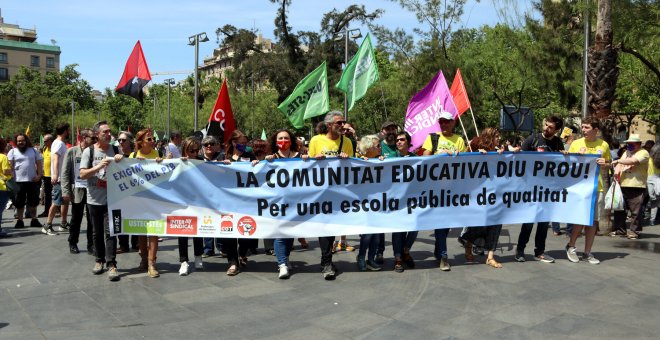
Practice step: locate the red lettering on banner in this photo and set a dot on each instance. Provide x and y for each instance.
(182, 225)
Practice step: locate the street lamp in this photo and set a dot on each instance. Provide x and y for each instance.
(355, 34)
(194, 40)
(169, 82)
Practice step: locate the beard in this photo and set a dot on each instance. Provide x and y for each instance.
(22, 148)
(390, 138)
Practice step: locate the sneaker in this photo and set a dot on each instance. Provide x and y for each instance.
(590, 258)
(444, 264)
(631, 235)
(183, 271)
(198, 263)
(379, 258)
(63, 227)
(361, 263)
(373, 266)
(398, 267)
(545, 258)
(19, 224)
(98, 268)
(284, 271)
(408, 260)
(328, 272)
(112, 274)
(208, 254)
(35, 224)
(520, 257)
(571, 254)
(48, 230)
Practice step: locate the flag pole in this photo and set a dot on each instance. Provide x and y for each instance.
(474, 121)
(382, 96)
(465, 133)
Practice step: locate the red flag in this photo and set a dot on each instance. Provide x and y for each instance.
(459, 93)
(136, 74)
(221, 120)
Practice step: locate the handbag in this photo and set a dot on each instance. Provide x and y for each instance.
(614, 197)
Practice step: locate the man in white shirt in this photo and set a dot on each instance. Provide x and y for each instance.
(27, 168)
(174, 146)
(57, 151)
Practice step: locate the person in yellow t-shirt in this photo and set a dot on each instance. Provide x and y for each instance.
(633, 169)
(592, 145)
(5, 175)
(45, 180)
(451, 144)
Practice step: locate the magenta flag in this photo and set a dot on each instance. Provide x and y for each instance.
(425, 107)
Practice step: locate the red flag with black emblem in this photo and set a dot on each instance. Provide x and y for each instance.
(221, 121)
(136, 74)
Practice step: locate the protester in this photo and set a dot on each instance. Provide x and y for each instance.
(190, 149)
(211, 152)
(388, 133)
(148, 245)
(74, 190)
(347, 131)
(93, 167)
(46, 183)
(5, 175)
(590, 144)
(447, 143)
(174, 147)
(632, 168)
(57, 151)
(369, 147)
(27, 168)
(284, 142)
(545, 141)
(402, 242)
(330, 144)
(653, 183)
(260, 149)
(125, 145)
(486, 236)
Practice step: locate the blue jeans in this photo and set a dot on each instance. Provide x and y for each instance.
(556, 227)
(282, 247)
(370, 242)
(441, 243)
(402, 241)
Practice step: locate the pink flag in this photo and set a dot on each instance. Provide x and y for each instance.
(425, 107)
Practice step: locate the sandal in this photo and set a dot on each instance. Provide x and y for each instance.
(469, 258)
(493, 263)
(233, 270)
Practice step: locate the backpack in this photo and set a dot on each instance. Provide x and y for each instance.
(91, 154)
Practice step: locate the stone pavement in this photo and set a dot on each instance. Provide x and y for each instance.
(47, 293)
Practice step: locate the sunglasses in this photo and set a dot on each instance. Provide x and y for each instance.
(209, 144)
(401, 140)
(122, 140)
(341, 122)
(444, 121)
(149, 139)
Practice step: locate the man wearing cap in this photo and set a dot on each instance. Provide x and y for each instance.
(633, 169)
(545, 141)
(388, 133)
(445, 142)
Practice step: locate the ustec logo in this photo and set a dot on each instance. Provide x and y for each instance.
(247, 225)
(226, 223)
(182, 225)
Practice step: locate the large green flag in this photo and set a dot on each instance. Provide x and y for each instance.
(360, 73)
(309, 99)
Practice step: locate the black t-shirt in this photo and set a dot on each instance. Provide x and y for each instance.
(536, 141)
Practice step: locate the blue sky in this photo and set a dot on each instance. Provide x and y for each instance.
(99, 36)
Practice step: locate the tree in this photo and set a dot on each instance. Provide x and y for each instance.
(603, 71)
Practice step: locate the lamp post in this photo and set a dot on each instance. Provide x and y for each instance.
(73, 110)
(169, 82)
(194, 40)
(585, 62)
(356, 35)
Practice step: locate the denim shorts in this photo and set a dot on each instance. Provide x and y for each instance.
(57, 195)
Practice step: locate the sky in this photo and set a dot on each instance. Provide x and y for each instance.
(99, 36)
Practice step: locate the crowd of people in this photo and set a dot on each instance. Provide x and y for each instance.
(75, 177)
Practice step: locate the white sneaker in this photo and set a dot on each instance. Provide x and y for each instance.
(183, 271)
(198, 262)
(590, 258)
(572, 255)
(284, 271)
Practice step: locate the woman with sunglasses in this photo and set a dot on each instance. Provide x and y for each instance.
(285, 143)
(190, 150)
(236, 151)
(147, 245)
(125, 145)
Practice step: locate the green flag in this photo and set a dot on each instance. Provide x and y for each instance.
(309, 99)
(360, 73)
(263, 134)
(156, 136)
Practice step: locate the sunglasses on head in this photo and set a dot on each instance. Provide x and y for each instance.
(209, 144)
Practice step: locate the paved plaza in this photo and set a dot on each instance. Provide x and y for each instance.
(48, 293)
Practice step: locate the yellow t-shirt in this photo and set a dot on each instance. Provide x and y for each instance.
(653, 171)
(453, 143)
(46, 154)
(152, 155)
(321, 144)
(4, 165)
(635, 176)
(597, 147)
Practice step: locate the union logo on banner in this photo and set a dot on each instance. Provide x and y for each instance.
(226, 223)
(247, 225)
(182, 225)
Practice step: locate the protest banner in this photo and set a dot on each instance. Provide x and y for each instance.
(295, 198)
